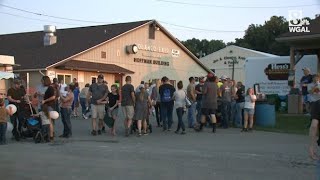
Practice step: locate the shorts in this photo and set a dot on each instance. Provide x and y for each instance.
(207, 111)
(98, 111)
(249, 111)
(305, 98)
(128, 111)
(315, 110)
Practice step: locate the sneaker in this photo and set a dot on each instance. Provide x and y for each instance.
(244, 130)
(84, 116)
(139, 135)
(93, 133)
(177, 132)
(145, 134)
(99, 132)
(250, 130)
(169, 129)
(197, 128)
(183, 132)
(51, 139)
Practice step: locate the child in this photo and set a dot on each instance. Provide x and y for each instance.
(249, 105)
(113, 99)
(3, 121)
(45, 122)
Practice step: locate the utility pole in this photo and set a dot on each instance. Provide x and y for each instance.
(233, 59)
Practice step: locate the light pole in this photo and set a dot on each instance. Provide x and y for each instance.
(233, 60)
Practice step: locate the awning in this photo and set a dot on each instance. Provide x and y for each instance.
(6, 75)
(94, 67)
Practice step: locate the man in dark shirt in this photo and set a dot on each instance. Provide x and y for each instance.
(127, 103)
(166, 91)
(240, 98)
(305, 80)
(199, 97)
(16, 96)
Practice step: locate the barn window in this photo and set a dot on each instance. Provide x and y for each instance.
(103, 54)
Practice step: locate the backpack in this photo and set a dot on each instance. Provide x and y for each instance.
(166, 95)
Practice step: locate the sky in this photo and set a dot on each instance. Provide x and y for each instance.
(185, 19)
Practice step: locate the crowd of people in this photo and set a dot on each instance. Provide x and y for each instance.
(207, 102)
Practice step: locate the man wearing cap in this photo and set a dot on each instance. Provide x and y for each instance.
(226, 97)
(98, 93)
(305, 80)
(199, 97)
(16, 96)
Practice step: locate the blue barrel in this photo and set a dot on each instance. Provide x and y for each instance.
(265, 114)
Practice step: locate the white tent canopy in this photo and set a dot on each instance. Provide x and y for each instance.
(6, 75)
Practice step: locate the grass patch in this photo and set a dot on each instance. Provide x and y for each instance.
(288, 123)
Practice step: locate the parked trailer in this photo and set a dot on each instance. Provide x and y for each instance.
(271, 73)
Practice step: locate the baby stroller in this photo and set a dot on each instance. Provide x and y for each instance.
(32, 125)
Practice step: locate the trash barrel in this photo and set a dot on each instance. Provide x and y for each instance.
(274, 99)
(265, 114)
(283, 103)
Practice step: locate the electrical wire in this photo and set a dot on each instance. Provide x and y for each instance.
(236, 7)
(42, 20)
(200, 29)
(56, 17)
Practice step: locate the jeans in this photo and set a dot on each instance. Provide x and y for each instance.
(318, 170)
(239, 114)
(16, 120)
(191, 114)
(226, 113)
(198, 108)
(180, 113)
(158, 113)
(65, 117)
(166, 114)
(3, 130)
(83, 105)
(305, 98)
(233, 112)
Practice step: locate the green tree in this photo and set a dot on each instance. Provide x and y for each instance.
(262, 37)
(203, 47)
(257, 37)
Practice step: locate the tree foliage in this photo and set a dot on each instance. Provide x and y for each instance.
(257, 37)
(203, 47)
(262, 37)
